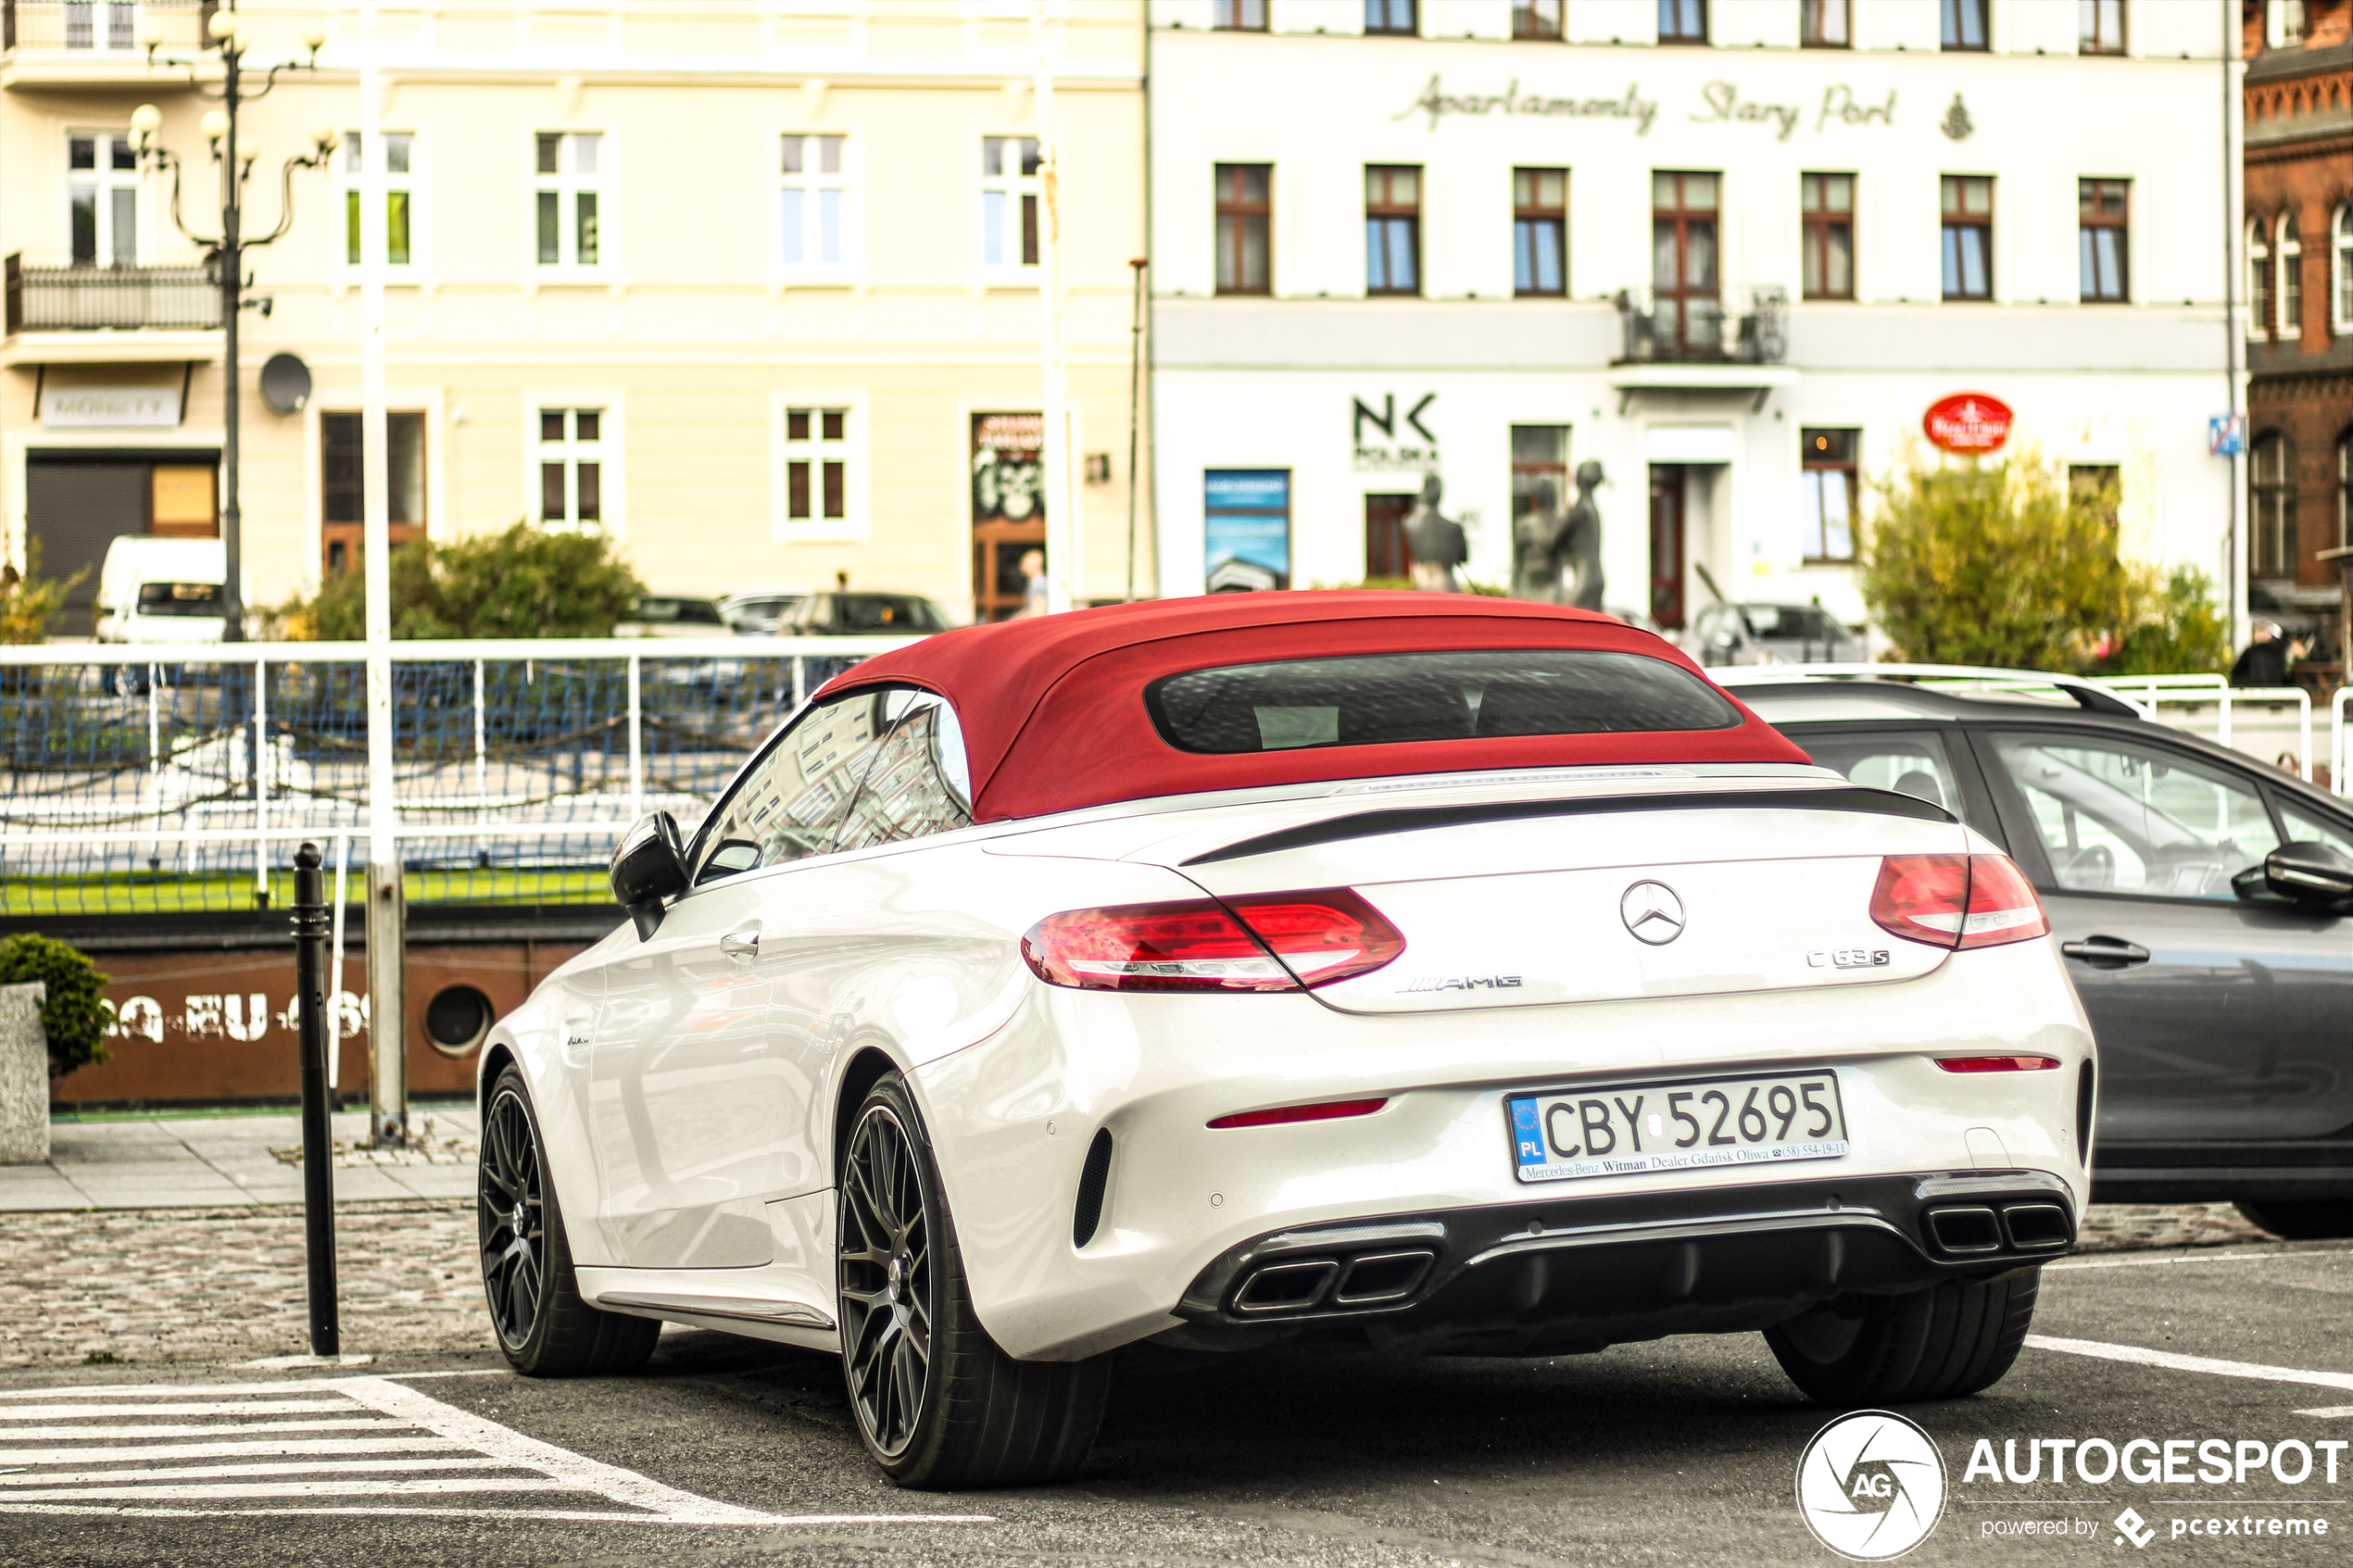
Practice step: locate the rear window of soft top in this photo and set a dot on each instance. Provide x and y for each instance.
(1374, 699)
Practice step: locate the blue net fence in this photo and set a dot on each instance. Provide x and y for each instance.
(184, 779)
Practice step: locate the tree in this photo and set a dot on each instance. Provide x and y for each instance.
(28, 601)
(74, 1016)
(524, 583)
(2177, 627)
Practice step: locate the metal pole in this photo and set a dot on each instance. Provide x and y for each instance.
(334, 974)
(2234, 541)
(1135, 414)
(1063, 565)
(388, 914)
(232, 272)
(317, 1142)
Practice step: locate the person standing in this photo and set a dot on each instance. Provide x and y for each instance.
(2265, 659)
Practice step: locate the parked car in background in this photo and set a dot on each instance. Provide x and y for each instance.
(2203, 901)
(1437, 973)
(757, 612)
(674, 615)
(839, 613)
(1730, 635)
(153, 590)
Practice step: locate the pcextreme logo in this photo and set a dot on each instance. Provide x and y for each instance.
(1870, 1486)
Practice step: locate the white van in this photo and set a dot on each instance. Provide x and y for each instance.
(155, 590)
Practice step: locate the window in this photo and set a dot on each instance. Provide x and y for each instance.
(1244, 210)
(1682, 21)
(2099, 27)
(2341, 269)
(1240, 16)
(816, 455)
(2291, 250)
(2098, 487)
(1683, 260)
(398, 158)
(1383, 698)
(1392, 229)
(571, 469)
(341, 447)
(2116, 816)
(1827, 205)
(1912, 764)
(2271, 484)
(1394, 18)
(1963, 23)
(2305, 828)
(1825, 24)
(567, 177)
(1536, 18)
(1828, 472)
(2101, 210)
(813, 203)
(2282, 22)
(102, 189)
(2259, 281)
(101, 24)
(1968, 236)
(2343, 490)
(1540, 470)
(1009, 201)
(1540, 231)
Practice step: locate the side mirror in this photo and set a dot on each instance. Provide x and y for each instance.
(2310, 874)
(650, 866)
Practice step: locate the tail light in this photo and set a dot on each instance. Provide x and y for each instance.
(1997, 1063)
(1265, 942)
(1326, 1111)
(1957, 900)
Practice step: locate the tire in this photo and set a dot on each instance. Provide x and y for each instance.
(544, 1328)
(1940, 1342)
(2302, 1219)
(938, 1405)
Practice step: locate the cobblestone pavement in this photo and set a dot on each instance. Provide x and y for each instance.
(198, 1284)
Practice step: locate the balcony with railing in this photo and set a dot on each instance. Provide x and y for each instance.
(65, 315)
(1734, 327)
(97, 40)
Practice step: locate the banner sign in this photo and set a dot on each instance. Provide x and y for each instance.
(1246, 529)
(1969, 422)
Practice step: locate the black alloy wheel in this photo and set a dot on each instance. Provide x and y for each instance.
(513, 1207)
(887, 1302)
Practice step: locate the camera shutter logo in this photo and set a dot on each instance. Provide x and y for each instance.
(1870, 1486)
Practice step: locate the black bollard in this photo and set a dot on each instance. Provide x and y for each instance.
(318, 1142)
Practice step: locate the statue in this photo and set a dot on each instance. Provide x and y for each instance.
(1436, 541)
(1579, 545)
(1536, 539)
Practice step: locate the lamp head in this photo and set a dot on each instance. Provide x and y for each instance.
(214, 125)
(325, 138)
(146, 121)
(314, 38)
(150, 34)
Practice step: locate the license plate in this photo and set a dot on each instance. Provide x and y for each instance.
(1770, 1120)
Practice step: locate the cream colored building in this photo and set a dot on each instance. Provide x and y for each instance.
(737, 281)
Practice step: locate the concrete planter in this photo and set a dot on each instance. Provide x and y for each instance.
(24, 1075)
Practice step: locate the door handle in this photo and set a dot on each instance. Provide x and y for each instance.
(2108, 950)
(746, 944)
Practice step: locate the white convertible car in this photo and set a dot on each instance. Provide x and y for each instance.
(1442, 974)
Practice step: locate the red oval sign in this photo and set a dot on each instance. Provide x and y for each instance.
(1967, 423)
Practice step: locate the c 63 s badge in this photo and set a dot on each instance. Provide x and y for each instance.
(1848, 957)
(1463, 983)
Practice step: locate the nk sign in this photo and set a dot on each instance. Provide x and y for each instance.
(1967, 423)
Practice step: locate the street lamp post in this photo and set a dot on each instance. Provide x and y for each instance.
(226, 249)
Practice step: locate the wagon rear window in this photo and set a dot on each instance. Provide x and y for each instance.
(1376, 699)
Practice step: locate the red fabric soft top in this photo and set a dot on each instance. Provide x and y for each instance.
(1052, 707)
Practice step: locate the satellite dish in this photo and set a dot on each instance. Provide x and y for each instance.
(285, 383)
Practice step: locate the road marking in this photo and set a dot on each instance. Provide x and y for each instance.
(2173, 1363)
(2144, 1263)
(264, 1448)
(2329, 1412)
(177, 1390)
(223, 1472)
(215, 1407)
(191, 1429)
(591, 1515)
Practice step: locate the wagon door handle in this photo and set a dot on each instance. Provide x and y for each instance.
(2107, 952)
(746, 944)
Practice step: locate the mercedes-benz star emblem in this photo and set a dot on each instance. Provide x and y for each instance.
(1652, 912)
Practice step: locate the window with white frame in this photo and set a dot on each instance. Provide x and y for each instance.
(2259, 281)
(817, 461)
(394, 156)
(2341, 268)
(813, 203)
(99, 24)
(571, 469)
(568, 179)
(2291, 251)
(101, 190)
(1009, 201)
(2282, 22)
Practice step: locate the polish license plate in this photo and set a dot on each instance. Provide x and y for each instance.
(1773, 1119)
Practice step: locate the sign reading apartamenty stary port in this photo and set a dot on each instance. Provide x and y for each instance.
(1967, 423)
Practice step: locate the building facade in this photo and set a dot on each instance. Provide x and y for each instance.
(751, 286)
(1731, 252)
(2299, 223)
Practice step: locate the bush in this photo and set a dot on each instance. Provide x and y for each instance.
(524, 583)
(2177, 627)
(73, 1017)
(28, 601)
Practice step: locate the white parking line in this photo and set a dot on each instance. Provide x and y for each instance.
(2145, 1262)
(217, 1407)
(191, 1429)
(2329, 1412)
(2173, 1362)
(263, 1449)
(223, 1472)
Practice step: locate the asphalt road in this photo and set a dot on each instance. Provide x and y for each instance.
(1679, 1451)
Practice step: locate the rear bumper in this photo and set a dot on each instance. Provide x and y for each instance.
(1563, 1275)
(2218, 1173)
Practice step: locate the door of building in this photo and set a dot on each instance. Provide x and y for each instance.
(1387, 555)
(77, 502)
(1666, 544)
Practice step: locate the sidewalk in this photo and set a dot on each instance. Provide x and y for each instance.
(228, 1161)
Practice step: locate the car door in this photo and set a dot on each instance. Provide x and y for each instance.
(2217, 1018)
(697, 1107)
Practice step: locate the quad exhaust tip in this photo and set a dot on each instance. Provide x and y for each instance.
(1967, 1229)
(1301, 1285)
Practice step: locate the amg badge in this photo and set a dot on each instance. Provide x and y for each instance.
(1464, 982)
(1848, 957)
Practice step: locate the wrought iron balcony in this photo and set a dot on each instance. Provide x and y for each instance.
(96, 29)
(1736, 327)
(67, 299)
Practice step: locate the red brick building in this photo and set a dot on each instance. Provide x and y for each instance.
(2299, 234)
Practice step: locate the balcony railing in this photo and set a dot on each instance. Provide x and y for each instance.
(102, 27)
(1737, 327)
(67, 299)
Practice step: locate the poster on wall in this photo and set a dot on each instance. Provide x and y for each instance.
(1009, 472)
(1246, 529)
